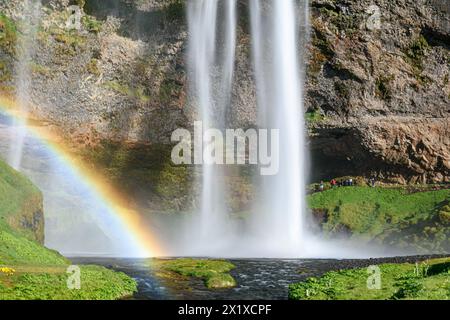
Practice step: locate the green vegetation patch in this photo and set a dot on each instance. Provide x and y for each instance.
(383, 87)
(40, 273)
(8, 34)
(417, 51)
(429, 280)
(138, 93)
(174, 11)
(214, 273)
(16, 249)
(28, 270)
(391, 216)
(15, 190)
(91, 24)
(314, 117)
(96, 283)
(147, 166)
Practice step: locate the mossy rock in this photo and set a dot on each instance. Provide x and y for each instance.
(214, 273)
(220, 281)
(444, 214)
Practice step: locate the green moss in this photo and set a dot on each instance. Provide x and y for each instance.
(91, 24)
(213, 272)
(5, 73)
(340, 21)
(415, 55)
(314, 116)
(342, 90)
(390, 216)
(8, 34)
(174, 11)
(92, 67)
(40, 69)
(383, 87)
(138, 93)
(169, 90)
(444, 214)
(417, 51)
(398, 281)
(71, 42)
(146, 167)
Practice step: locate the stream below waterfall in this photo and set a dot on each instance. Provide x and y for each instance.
(257, 279)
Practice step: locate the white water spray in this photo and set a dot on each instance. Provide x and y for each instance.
(276, 226)
(25, 50)
(278, 218)
(211, 60)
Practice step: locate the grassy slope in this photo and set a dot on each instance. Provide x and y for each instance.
(426, 281)
(40, 273)
(15, 189)
(213, 272)
(387, 215)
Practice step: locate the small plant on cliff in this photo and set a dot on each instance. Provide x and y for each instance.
(314, 116)
(91, 24)
(175, 10)
(444, 214)
(417, 51)
(383, 87)
(8, 34)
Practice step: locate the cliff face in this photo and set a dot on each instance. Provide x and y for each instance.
(377, 95)
(384, 91)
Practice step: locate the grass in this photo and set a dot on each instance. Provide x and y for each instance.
(16, 249)
(28, 270)
(429, 280)
(15, 190)
(387, 215)
(214, 273)
(96, 283)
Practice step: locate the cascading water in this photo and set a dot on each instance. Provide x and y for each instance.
(275, 228)
(278, 219)
(212, 67)
(26, 44)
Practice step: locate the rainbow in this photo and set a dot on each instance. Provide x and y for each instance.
(132, 224)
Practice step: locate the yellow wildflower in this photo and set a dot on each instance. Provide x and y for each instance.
(7, 271)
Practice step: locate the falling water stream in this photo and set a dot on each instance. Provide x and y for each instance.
(25, 49)
(278, 217)
(276, 225)
(212, 68)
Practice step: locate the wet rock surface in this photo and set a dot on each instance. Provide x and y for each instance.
(378, 93)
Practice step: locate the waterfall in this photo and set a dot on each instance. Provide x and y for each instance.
(275, 227)
(278, 218)
(25, 50)
(211, 61)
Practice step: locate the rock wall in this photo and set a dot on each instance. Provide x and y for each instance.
(377, 95)
(383, 92)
